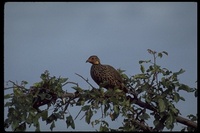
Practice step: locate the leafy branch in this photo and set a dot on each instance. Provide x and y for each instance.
(155, 89)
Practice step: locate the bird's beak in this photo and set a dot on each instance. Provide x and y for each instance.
(87, 61)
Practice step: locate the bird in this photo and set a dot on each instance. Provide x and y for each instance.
(105, 75)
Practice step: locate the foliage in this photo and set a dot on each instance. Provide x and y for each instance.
(155, 89)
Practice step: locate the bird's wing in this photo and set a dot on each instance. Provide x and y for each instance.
(113, 72)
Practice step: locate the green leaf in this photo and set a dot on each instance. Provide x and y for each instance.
(103, 128)
(174, 110)
(118, 90)
(192, 117)
(15, 124)
(43, 76)
(140, 62)
(7, 123)
(63, 80)
(77, 88)
(88, 116)
(21, 127)
(37, 85)
(179, 72)
(106, 107)
(167, 72)
(185, 88)
(182, 98)
(86, 107)
(37, 128)
(142, 68)
(35, 122)
(176, 97)
(160, 55)
(170, 121)
(7, 96)
(44, 115)
(148, 99)
(8, 104)
(151, 51)
(114, 100)
(164, 52)
(70, 122)
(51, 118)
(29, 120)
(24, 82)
(95, 122)
(17, 91)
(161, 105)
(105, 123)
(151, 68)
(140, 76)
(80, 101)
(114, 115)
(124, 76)
(42, 95)
(196, 93)
(116, 109)
(144, 116)
(156, 122)
(52, 125)
(126, 103)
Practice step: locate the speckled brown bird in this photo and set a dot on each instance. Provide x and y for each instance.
(105, 75)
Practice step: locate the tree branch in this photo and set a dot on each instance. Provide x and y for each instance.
(186, 122)
(85, 80)
(178, 118)
(148, 106)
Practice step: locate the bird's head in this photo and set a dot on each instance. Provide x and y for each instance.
(93, 60)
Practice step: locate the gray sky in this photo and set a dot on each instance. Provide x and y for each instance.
(59, 37)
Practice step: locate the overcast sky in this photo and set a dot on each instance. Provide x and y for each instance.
(59, 37)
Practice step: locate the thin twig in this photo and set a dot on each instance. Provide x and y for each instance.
(70, 83)
(102, 111)
(8, 88)
(68, 95)
(22, 87)
(78, 114)
(66, 106)
(83, 116)
(85, 80)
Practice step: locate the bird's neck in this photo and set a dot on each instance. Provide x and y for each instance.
(96, 63)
